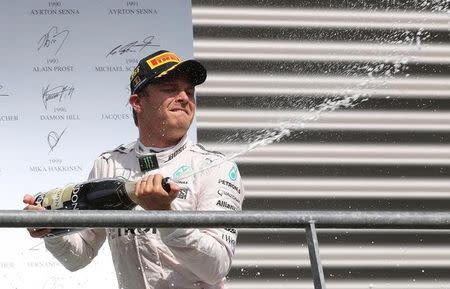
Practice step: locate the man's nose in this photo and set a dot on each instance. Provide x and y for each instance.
(182, 96)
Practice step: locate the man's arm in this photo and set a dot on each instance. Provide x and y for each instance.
(77, 250)
(208, 253)
(73, 251)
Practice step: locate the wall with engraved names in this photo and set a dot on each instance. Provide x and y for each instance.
(64, 87)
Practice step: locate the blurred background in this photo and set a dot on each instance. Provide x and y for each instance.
(353, 97)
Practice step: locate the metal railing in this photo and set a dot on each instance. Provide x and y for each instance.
(308, 220)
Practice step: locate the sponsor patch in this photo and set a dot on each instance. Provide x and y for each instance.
(228, 194)
(148, 163)
(181, 171)
(137, 80)
(177, 152)
(230, 185)
(119, 232)
(162, 59)
(230, 240)
(231, 230)
(226, 205)
(233, 173)
(134, 73)
(182, 194)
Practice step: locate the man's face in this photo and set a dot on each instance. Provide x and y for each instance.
(167, 108)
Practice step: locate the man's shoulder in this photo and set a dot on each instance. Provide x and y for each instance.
(201, 150)
(119, 150)
(208, 156)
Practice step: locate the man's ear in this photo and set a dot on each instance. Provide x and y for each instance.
(135, 102)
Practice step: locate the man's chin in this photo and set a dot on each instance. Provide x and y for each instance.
(177, 131)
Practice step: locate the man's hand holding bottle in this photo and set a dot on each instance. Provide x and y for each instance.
(155, 193)
(152, 192)
(29, 200)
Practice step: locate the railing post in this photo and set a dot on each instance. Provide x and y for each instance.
(314, 257)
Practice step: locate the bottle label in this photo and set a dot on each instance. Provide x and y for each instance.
(104, 194)
(55, 199)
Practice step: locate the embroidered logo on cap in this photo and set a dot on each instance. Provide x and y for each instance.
(162, 59)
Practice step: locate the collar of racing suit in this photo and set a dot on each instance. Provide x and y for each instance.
(147, 150)
(165, 155)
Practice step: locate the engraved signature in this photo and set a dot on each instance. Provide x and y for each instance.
(2, 94)
(53, 139)
(133, 46)
(53, 38)
(58, 92)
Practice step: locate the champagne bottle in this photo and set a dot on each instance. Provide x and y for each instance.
(102, 194)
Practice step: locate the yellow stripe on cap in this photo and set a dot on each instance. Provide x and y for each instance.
(167, 70)
(162, 59)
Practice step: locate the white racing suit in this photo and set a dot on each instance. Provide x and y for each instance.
(170, 257)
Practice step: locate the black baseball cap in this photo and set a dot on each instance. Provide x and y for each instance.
(162, 63)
